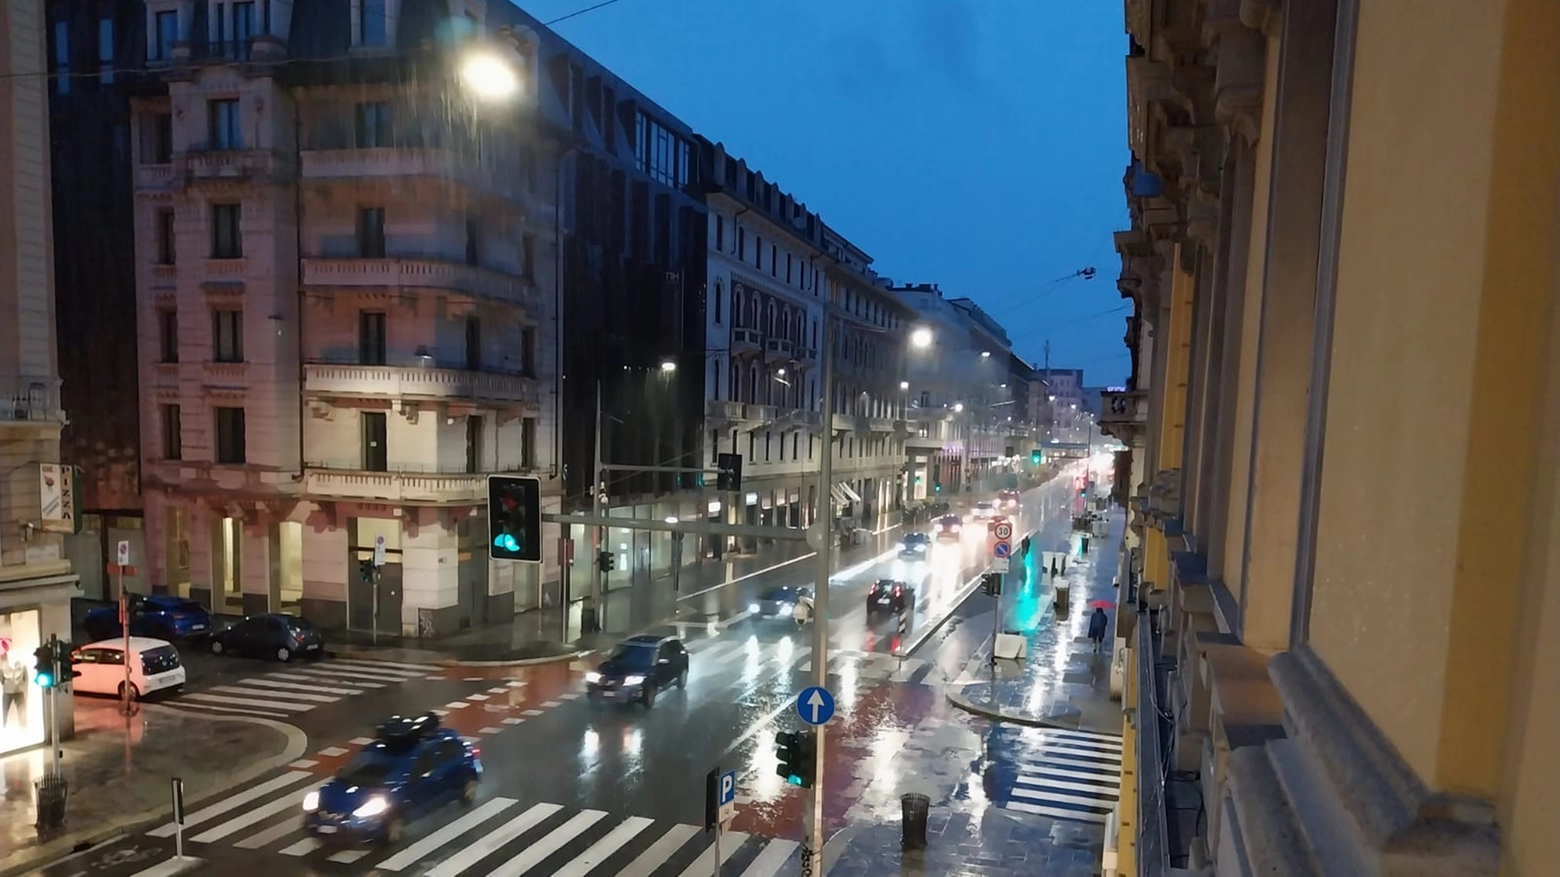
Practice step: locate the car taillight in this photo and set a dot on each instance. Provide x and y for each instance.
(898, 589)
(475, 751)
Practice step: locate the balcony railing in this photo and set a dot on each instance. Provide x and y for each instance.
(403, 483)
(198, 165)
(1153, 845)
(778, 350)
(413, 382)
(746, 340)
(724, 411)
(402, 162)
(25, 399)
(397, 273)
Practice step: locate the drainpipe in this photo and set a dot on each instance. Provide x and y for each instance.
(558, 344)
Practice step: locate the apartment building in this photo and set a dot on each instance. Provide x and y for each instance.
(774, 269)
(346, 295)
(38, 501)
(1340, 621)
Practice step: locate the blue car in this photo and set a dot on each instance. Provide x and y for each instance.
(159, 616)
(638, 668)
(412, 768)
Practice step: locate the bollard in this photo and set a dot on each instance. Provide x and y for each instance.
(914, 811)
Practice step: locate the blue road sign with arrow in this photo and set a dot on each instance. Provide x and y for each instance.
(815, 705)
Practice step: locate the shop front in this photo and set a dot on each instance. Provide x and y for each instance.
(21, 702)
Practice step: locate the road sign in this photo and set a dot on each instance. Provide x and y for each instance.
(1002, 550)
(1003, 531)
(123, 554)
(815, 705)
(379, 551)
(1000, 564)
(727, 797)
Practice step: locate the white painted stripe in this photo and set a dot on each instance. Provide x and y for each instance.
(276, 832)
(1072, 748)
(730, 842)
(533, 854)
(717, 652)
(353, 674)
(1079, 743)
(570, 695)
(358, 662)
(413, 854)
(456, 705)
(659, 852)
(493, 841)
(477, 697)
(360, 741)
(331, 676)
(1058, 812)
(302, 847)
(203, 697)
(291, 801)
(550, 704)
(1041, 782)
(321, 680)
(278, 694)
(1102, 802)
(170, 867)
(774, 856)
(489, 730)
(347, 857)
(603, 849)
(303, 763)
(1075, 734)
(499, 690)
(440, 713)
(206, 707)
(516, 683)
(295, 685)
(1055, 764)
(237, 799)
(512, 720)
(332, 751)
(532, 713)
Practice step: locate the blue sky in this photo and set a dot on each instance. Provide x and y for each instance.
(978, 144)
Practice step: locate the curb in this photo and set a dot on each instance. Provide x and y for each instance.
(72, 844)
(987, 712)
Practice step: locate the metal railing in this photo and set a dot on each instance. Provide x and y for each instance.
(1153, 847)
(29, 399)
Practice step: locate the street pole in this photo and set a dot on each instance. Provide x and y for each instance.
(124, 618)
(599, 540)
(54, 703)
(812, 849)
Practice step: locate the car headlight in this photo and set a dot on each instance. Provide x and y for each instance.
(372, 807)
(786, 607)
(954, 528)
(633, 680)
(311, 802)
(753, 607)
(593, 676)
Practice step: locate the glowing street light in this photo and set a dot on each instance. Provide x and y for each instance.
(668, 366)
(921, 338)
(985, 354)
(489, 76)
(904, 385)
(958, 407)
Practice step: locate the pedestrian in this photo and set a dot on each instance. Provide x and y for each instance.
(1097, 624)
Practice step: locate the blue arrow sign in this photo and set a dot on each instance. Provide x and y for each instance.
(815, 705)
(1002, 549)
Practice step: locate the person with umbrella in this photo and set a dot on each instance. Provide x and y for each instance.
(1098, 622)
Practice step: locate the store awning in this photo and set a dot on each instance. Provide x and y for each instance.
(844, 494)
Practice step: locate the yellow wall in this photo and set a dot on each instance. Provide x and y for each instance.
(1445, 280)
(1127, 833)
(1178, 361)
(1251, 323)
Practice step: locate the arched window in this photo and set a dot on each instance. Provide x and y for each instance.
(753, 383)
(715, 378)
(734, 382)
(717, 301)
(736, 310)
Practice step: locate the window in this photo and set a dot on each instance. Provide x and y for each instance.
(166, 35)
(473, 241)
(230, 436)
(106, 50)
(720, 234)
(528, 256)
(243, 29)
(168, 336)
(167, 249)
(528, 443)
(473, 344)
(716, 300)
(227, 336)
(157, 138)
(372, 125)
(371, 337)
(222, 124)
(741, 243)
(226, 240)
(372, 30)
(473, 444)
(787, 267)
(774, 261)
(371, 232)
(376, 457)
(62, 57)
(172, 433)
(660, 153)
(758, 251)
(528, 351)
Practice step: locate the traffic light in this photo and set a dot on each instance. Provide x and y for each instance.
(991, 584)
(729, 469)
(66, 663)
(515, 518)
(797, 752)
(43, 667)
(1037, 456)
(606, 561)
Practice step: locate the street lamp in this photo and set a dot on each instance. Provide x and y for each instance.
(904, 385)
(489, 76)
(958, 407)
(985, 354)
(921, 338)
(668, 365)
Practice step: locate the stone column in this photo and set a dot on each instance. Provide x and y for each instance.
(326, 571)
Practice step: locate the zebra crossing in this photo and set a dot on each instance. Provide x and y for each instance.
(711, 654)
(294, 689)
(500, 836)
(1072, 775)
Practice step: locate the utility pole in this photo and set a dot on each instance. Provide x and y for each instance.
(812, 850)
(599, 540)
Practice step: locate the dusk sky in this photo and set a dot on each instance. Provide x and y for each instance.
(979, 144)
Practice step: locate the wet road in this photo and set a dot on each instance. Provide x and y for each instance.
(577, 788)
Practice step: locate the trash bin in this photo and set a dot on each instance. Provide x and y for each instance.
(51, 801)
(914, 812)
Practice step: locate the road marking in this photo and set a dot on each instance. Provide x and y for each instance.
(493, 841)
(477, 697)
(303, 764)
(414, 853)
(504, 690)
(357, 662)
(571, 695)
(513, 721)
(270, 835)
(602, 849)
(551, 843)
(360, 741)
(237, 800)
(206, 707)
(531, 713)
(550, 704)
(277, 694)
(489, 730)
(220, 699)
(730, 842)
(294, 685)
(659, 852)
(332, 751)
(456, 705)
(311, 676)
(757, 726)
(347, 857)
(773, 857)
(302, 847)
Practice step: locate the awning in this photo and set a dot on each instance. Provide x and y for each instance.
(843, 494)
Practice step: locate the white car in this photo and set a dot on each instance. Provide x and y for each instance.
(154, 666)
(984, 510)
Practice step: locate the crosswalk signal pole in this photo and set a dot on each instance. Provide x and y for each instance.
(812, 849)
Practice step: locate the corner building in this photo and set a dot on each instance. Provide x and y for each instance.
(346, 301)
(1341, 591)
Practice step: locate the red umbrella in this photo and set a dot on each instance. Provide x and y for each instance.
(1102, 604)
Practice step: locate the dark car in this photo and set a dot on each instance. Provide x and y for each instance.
(779, 602)
(948, 527)
(282, 637)
(638, 668)
(915, 546)
(159, 616)
(887, 595)
(412, 767)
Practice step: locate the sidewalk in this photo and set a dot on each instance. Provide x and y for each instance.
(119, 774)
(1044, 691)
(553, 633)
(991, 843)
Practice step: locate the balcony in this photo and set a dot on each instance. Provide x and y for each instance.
(413, 273)
(30, 401)
(155, 177)
(228, 165)
(427, 486)
(1124, 414)
(746, 341)
(396, 163)
(778, 350)
(805, 355)
(409, 382)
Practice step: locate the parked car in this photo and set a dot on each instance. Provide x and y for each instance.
(412, 767)
(638, 668)
(154, 666)
(272, 635)
(914, 546)
(887, 595)
(779, 602)
(161, 616)
(948, 527)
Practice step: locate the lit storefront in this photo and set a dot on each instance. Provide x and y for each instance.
(21, 702)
